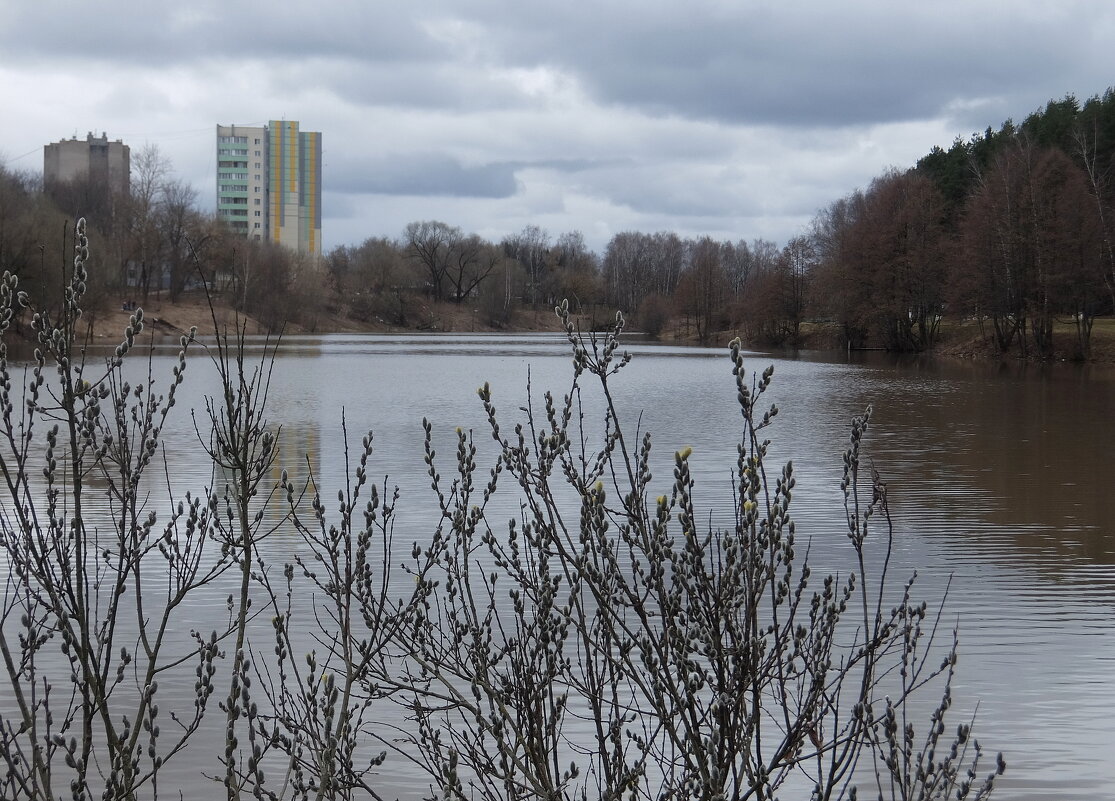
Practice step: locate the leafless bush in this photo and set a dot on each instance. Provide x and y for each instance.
(706, 663)
(605, 644)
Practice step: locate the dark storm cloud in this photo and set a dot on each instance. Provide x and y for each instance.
(428, 174)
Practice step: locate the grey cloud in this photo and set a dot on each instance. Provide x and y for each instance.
(575, 165)
(163, 33)
(797, 64)
(740, 63)
(672, 191)
(430, 174)
(412, 85)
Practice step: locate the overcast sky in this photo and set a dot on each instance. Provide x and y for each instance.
(737, 119)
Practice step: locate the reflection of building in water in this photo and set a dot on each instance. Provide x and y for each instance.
(299, 454)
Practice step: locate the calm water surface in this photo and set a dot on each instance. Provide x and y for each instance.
(999, 478)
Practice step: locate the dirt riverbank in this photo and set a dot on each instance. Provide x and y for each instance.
(958, 341)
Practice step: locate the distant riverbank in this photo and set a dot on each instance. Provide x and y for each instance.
(958, 341)
(192, 309)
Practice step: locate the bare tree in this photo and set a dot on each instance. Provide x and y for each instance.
(87, 718)
(431, 244)
(1100, 183)
(181, 227)
(372, 278)
(529, 247)
(471, 260)
(703, 288)
(738, 265)
(842, 294)
(576, 270)
(149, 171)
(33, 238)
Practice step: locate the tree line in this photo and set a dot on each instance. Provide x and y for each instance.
(154, 241)
(1009, 229)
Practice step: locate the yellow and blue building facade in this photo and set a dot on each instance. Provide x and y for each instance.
(269, 183)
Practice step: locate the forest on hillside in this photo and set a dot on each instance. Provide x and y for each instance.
(1011, 229)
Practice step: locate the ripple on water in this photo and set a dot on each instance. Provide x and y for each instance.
(998, 486)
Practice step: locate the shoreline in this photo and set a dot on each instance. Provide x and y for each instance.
(961, 342)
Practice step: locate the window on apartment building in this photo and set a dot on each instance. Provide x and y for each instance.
(257, 201)
(257, 152)
(257, 141)
(257, 213)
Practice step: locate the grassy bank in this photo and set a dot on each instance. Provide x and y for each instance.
(967, 341)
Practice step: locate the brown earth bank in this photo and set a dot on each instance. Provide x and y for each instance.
(161, 316)
(957, 341)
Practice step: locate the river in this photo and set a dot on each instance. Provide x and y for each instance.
(999, 479)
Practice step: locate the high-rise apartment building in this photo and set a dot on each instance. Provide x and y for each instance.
(269, 183)
(294, 186)
(103, 163)
(242, 179)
